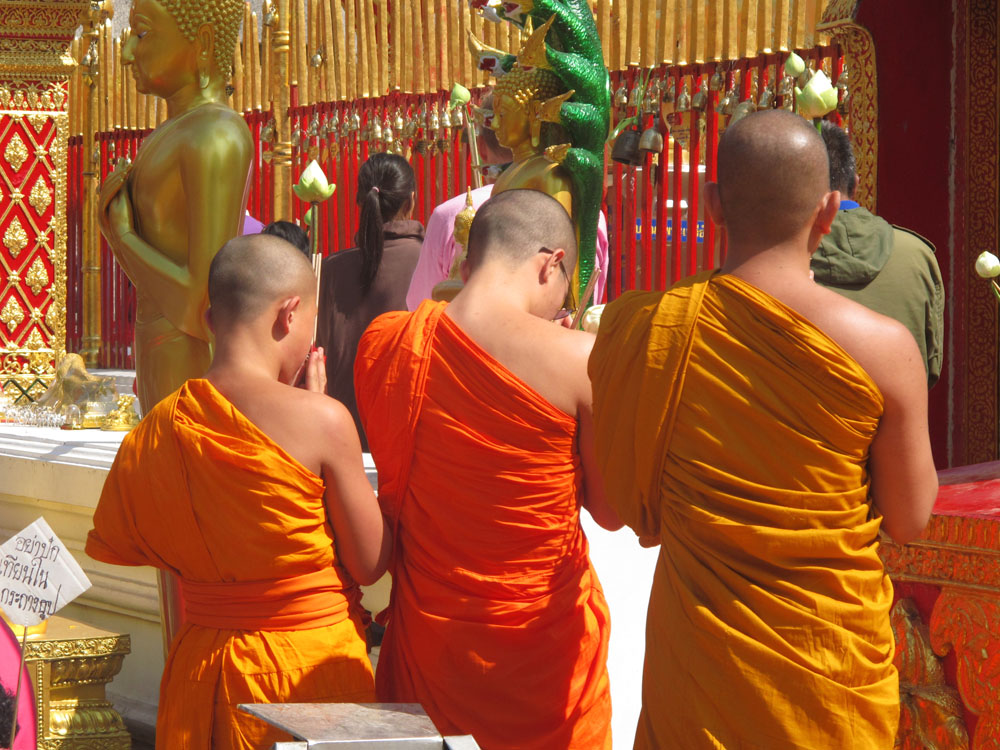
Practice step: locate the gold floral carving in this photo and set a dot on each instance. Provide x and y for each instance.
(16, 152)
(969, 625)
(15, 238)
(12, 314)
(859, 57)
(930, 710)
(40, 196)
(954, 551)
(38, 276)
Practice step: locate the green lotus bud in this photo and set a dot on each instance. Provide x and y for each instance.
(818, 98)
(313, 187)
(794, 65)
(460, 96)
(988, 265)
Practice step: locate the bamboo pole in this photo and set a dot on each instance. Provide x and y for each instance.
(782, 25)
(340, 49)
(240, 83)
(353, 55)
(679, 48)
(311, 42)
(396, 47)
(371, 53)
(766, 28)
(383, 45)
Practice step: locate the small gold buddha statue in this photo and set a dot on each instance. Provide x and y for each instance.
(168, 213)
(525, 103)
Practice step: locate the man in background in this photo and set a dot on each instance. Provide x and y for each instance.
(886, 268)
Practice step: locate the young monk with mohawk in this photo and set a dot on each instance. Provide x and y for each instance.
(478, 416)
(762, 429)
(254, 494)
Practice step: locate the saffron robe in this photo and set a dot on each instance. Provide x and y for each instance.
(497, 623)
(735, 434)
(270, 615)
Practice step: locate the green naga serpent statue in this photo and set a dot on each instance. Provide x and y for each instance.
(564, 43)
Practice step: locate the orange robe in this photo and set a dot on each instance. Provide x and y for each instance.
(270, 615)
(497, 623)
(735, 434)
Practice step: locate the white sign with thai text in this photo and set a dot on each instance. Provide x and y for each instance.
(38, 575)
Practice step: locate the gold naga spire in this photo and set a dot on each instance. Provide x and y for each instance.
(463, 223)
(532, 54)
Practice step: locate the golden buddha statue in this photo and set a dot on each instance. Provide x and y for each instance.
(168, 213)
(526, 103)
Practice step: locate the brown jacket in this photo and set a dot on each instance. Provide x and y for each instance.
(345, 312)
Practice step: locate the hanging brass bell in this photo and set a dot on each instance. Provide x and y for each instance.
(843, 79)
(742, 110)
(683, 100)
(621, 97)
(651, 140)
(844, 105)
(626, 148)
(699, 102)
(717, 82)
(766, 100)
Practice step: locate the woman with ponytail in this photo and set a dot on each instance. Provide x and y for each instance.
(360, 284)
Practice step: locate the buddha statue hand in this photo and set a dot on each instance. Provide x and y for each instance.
(111, 189)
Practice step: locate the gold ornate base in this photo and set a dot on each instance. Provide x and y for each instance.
(70, 664)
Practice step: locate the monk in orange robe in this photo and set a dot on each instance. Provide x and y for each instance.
(478, 417)
(254, 494)
(762, 429)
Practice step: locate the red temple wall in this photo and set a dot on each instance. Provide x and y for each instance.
(915, 59)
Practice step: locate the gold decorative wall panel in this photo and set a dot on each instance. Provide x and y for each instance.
(34, 130)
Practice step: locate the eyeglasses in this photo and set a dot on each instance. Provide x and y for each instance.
(569, 305)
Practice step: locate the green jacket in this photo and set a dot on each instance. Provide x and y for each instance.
(890, 270)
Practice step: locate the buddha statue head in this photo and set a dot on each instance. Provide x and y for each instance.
(175, 44)
(517, 105)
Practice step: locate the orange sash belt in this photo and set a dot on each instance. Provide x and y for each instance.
(312, 600)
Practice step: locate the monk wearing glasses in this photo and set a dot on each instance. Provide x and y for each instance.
(478, 414)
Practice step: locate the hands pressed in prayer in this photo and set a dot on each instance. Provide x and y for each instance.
(312, 376)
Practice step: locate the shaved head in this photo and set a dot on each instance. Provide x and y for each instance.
(514, 225)
(251, 273)
(773, 173)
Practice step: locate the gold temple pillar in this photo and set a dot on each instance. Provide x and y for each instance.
(35, 66)
(91, 261)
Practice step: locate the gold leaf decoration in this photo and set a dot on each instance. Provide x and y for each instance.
(12, 314)
(38, 120)
(38, 276)
(53, 317)
(40, 196)
(35, 340)
(15, 238)
(16, 152)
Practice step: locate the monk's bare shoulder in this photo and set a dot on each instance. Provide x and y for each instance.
(881, 345)
(324, 418)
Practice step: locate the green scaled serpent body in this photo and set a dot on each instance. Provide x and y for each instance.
(573, 51)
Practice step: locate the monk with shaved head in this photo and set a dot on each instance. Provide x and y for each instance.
(761, 430)
(253, 493)
(478, 416)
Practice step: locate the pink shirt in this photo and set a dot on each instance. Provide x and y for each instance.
(439, 249)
